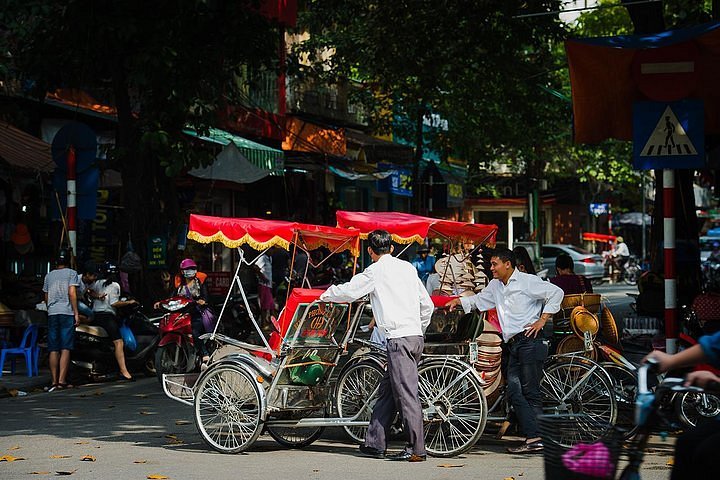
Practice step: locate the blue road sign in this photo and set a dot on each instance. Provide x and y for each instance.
(668, 135)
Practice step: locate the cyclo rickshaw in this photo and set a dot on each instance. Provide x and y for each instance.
(461, 350)
(281, 383)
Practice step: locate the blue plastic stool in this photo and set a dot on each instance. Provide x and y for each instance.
(27, 347)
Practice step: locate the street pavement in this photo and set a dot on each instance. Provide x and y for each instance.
(132, 431)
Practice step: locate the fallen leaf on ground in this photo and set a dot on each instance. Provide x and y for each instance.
(70, 472)
(13, 392)
(509, 478)
(140, 461)
(521, 474)
(316, 470)
(670, 462)
(10, 458)
(16, 447)
(98, 393)
(171, 435)
(39, 473)
(141, 395)
(182, 422)
(156, 477)
(81, 443)
(87, 458)
(60, 456)
(143, 412)
(451, 465)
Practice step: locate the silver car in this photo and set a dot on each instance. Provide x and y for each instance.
(588, 264)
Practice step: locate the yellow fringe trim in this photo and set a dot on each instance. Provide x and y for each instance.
(244, 240)
(398, 239)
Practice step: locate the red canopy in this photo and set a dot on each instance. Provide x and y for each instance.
(598, 237)
(407, 228)
(261, 233)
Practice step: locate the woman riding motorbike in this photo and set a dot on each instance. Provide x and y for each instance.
(191, 284)
(106, 301)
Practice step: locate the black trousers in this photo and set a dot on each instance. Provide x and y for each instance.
(696, 451)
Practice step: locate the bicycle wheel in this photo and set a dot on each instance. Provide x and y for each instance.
(228, 409)
(582, 391)
(625, 389)
(356, 394)
(692, 407)
(454, 407)
(297, 437)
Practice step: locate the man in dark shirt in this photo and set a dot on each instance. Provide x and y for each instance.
(566, 278)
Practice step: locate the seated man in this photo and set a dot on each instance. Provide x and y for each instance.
(566, 278)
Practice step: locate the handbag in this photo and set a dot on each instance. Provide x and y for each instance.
(209, 319)
(128, 337)
(593, 460)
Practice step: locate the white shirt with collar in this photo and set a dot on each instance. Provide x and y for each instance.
(519, 303)
(401, 305)
(622, 250)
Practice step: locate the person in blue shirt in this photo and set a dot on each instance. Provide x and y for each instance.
(695, 450)
(424, 263)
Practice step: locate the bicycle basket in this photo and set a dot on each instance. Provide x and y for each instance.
(589, 460)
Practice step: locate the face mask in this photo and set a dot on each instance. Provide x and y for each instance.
(189, 273)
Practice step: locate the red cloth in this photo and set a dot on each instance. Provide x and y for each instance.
(605, 78)
(262, 233)
(572, 284)
(406, 228)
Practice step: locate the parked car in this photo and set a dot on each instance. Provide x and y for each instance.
(586, 263)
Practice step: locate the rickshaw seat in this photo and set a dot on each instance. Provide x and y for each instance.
(298, 296)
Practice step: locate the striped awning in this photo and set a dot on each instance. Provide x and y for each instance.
(258, 154)
(24, 151)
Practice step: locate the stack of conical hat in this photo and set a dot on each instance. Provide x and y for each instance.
(456, 275)
(489, 361)
(481, 279)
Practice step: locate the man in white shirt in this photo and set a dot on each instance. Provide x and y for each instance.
(524, 304)
(402, 309)
(621, 253)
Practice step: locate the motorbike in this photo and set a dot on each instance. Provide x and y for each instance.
(94, 351)
(176, 352)
(629, 273)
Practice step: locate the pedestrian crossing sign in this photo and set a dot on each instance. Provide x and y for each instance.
(668, 135)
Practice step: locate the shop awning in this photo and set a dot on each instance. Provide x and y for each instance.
(23, 150)
(304, 136)
(231, 165)
(370, 149)
(258, 154)
(598, 237)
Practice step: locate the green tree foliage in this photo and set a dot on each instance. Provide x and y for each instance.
(473, 63)
(163, 64)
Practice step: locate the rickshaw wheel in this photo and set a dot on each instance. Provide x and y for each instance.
(300, 437)
(228, 409)
(579, 389)
(357, 390)
(626, 386)
(454, 407)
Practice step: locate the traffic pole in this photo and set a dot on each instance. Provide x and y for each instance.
(671, 326)
(72, 200)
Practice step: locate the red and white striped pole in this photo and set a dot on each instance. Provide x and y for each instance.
(671, 326)
(72, 200)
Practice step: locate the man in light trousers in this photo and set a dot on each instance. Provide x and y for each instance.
(402, 309)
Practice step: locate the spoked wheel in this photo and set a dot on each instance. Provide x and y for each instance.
(174, 358)
(454, 407)
(228, 409)
(625, 389)
(581, 391)
(357, 390)
(691, 407)
(299, 437)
